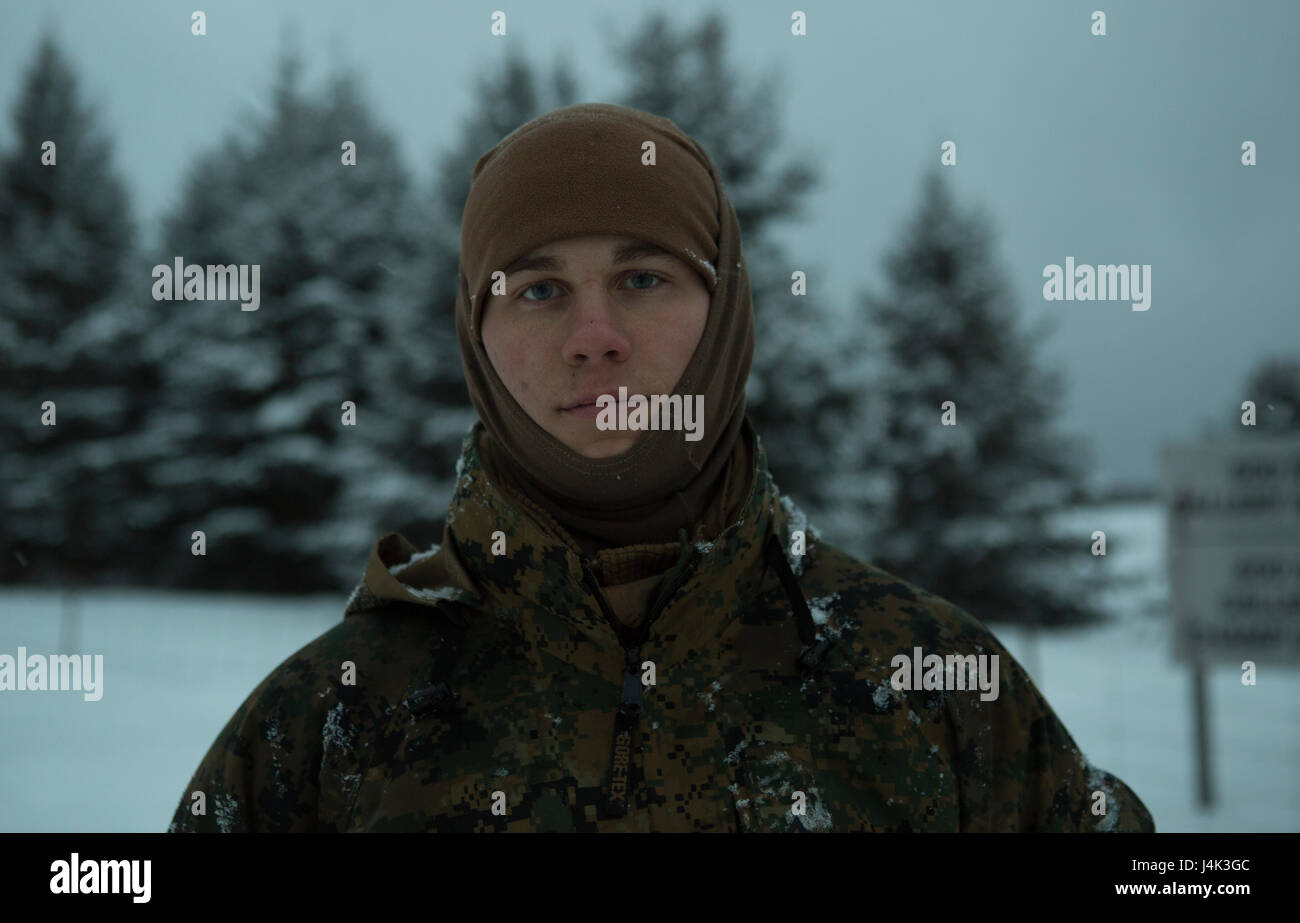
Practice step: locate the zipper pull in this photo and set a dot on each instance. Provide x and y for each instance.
(632, 682)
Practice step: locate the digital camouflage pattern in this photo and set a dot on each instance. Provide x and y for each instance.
(495, 692)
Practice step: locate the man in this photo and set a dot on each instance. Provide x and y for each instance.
(626, 627)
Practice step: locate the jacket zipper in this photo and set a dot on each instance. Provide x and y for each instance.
(619, 786)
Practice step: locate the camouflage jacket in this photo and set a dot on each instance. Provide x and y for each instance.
(484, 685)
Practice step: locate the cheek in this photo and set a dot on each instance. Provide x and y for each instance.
(515, 370)
(509, 354)
(519, 355)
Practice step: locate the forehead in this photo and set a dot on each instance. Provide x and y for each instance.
(553, 256)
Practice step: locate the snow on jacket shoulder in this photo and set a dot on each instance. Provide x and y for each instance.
(484, 685)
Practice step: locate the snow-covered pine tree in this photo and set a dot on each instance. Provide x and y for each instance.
(251, 408)
(965, 508)
(65, 241)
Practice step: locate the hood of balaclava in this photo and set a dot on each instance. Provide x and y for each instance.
(590, 169)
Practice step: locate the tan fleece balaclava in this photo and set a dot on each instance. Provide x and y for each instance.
(582, 170)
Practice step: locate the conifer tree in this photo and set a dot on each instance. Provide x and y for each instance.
(964, 508)
(66, 339)
(254, 408)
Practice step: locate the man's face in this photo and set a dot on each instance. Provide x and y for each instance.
(583, 316)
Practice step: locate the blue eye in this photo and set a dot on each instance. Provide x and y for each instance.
(525, 292)
(649, 275)
(639, 288)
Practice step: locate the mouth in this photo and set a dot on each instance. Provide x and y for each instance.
(588, 401)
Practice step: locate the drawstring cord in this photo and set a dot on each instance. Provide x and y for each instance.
(814, 651)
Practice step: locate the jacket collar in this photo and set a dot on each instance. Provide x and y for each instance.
(501, 554)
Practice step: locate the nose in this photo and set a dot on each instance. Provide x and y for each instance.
(595, 327)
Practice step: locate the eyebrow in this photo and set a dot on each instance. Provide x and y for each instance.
(625, 253)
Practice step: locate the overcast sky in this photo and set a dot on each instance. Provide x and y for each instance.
(1116, 149)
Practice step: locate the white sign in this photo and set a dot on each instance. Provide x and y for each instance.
(1233, 510)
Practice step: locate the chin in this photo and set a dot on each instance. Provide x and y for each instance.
(604, 448)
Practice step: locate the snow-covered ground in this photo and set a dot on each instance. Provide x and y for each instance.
(1129, 705)
(176, 667)
(178, 664)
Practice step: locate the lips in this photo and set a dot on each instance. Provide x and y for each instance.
(582, 402)
(589, 399)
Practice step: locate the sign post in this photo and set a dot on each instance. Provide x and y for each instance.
(1233, 555)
